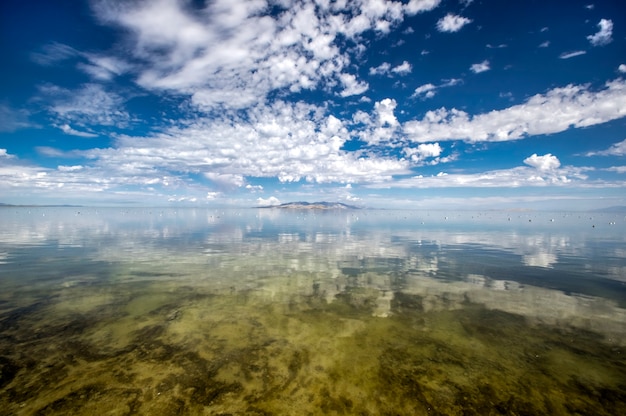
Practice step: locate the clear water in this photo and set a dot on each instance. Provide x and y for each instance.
(260, 312)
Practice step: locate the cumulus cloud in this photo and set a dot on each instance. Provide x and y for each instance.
(384, 109)
(233, 54)
(291, 142)
(480, 67)
(74, 168)
(380, 128)
(271, 201)
(423, 151)
(622, 68)
(617, 149)
(352, 86)
(553, 112)
(419, 6)
(603, 35)
(385, 68)
(382, 69)
(544, 163)
(403, 69)
(452, 23)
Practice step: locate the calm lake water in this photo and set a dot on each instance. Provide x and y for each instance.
(267, 312)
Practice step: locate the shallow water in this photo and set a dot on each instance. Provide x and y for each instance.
(195, 311)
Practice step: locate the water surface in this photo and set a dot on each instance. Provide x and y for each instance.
(261, 311)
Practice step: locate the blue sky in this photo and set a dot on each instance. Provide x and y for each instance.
(420, 103)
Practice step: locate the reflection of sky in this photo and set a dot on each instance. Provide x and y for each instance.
(522, 263)
(416, 239)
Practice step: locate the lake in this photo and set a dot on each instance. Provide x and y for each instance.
(168, 311)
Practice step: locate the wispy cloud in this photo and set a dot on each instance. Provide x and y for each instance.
(89, 105)
(541, 171)
(618, 149)
(425, 91)
(568, 55)
(429, 90)
(67, 129)
(12, 119)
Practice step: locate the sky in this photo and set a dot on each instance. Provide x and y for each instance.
(478, 104)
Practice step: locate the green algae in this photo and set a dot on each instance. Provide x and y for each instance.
(171, 348)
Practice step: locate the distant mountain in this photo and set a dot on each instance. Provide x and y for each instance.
(312, 205)
(2, 204)
(617, 209)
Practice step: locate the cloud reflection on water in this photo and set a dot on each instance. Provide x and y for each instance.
(565, 270)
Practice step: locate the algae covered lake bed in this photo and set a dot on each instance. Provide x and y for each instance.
(261, 311)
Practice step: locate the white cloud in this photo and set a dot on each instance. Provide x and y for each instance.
(553, 112)
(617, 149)
(622, 68)
(233, 54)
(384, 109)
(429, 90)
(291, 142)
(520, 176)
(419, 6)
(603, 36)
(617, 169)
(382, 69)
(11, 119)
(452, 23)
(403, 69)
(352, 86)
(103, 68)
(74, 168)
(544, 163)
(385, 68)
(545, 44)
(568, 55)
(225, 180)
(271, 201)
(67, 129)
(89, 105)
(423, 151)
(426, 91)
(53, 53)
(480, 67)
(382, 127)
(4, 154)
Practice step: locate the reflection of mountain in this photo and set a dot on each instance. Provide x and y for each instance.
(312, 205)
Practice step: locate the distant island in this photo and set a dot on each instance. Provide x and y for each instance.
(312, 205)
(3, 205)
